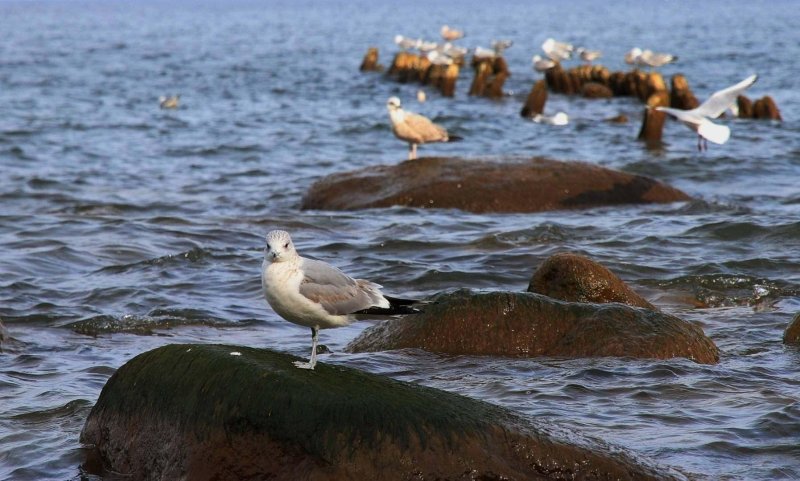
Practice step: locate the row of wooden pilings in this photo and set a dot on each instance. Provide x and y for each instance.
(590, 81)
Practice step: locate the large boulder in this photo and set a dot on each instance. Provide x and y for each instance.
(529, 185)
(575, 278)
(524, 324)
(213, 412)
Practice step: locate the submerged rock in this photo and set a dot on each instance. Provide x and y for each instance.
(522, 324)
(792, 333)
(575, 278)
(529, 185)
(204, 412)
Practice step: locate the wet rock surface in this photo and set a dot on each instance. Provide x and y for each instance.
(202, 412)
(792, 333)
(524, 185)
(529, 325)
(575, 278)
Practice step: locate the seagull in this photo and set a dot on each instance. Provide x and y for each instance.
(450, 34)
(482, 53)
(560, 118)
(170, 102)
(633, 57)
(698, 119)
(655, 60)
(500, 46)
(557, 51)
(414, 128)
(406, 43)
(588, 55)
(438, 58)
(315, 294)
(542, 64)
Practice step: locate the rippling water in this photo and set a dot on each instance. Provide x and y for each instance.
(124, 227)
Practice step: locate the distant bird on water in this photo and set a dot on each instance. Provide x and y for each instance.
(698, 119)
(414, 128)
(170, 102)
(451, 34)
(315, 294)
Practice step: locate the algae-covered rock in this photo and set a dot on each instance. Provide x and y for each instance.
(513, 185)
(575, 278)
(201, 412)
(523, 324)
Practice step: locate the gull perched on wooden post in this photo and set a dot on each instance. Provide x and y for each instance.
(315, 294)
(451, 34)
(414, 128)
(698, 119)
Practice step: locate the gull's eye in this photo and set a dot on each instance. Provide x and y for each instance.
(269, 248)
(286, 246)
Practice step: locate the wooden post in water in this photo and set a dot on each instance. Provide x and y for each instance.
(745, 107)
(653, 121)
(765, 108)
(370, 62)
(534, 104)
(680, 95)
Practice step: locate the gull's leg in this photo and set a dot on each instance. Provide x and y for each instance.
(699, 143)
(413, 151)
(313, 361)
(410, 151)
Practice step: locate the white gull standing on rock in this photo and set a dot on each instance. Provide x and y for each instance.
(414, 128)
(315, 294)
(542, 64)
(698, 119)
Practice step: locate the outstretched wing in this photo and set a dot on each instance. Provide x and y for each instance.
(338, 293)
(721, 100)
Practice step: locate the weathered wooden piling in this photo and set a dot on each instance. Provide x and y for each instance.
(370, 62)
(765, 108)
(537, 97)
(680, 95)
(653, 121)
(490, 75)
(745, 106)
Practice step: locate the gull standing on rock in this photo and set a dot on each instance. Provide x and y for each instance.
(315, 294)
(587, 55)
(697, 119)
(542, 64)
(451, 34)
(557, 51)
(414, 128)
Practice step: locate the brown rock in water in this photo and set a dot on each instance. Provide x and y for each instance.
(447, 85)
(575, 278)
(594, 90)
(198, 412)
(524, 324)
(370, 62)
(405, 67)
(681, 96)
(765, 108)
(653, 120)
(500, 73)
(483, 70)
(534, 104)
(792, 333)
(745, 107)
(530, 185)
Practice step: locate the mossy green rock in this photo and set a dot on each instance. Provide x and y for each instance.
(201, 412)
(524, 324)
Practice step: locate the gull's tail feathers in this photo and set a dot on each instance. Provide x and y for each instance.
(719, 134)
(454, 138)
(397, 306)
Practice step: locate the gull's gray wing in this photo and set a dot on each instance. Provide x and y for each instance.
(722, 99)
(338, 293)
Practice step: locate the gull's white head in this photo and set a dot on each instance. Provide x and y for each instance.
(279, 247)
(393, 103)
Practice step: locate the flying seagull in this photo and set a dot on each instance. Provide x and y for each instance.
(414, 128)
(315, 294)
(698, 119)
